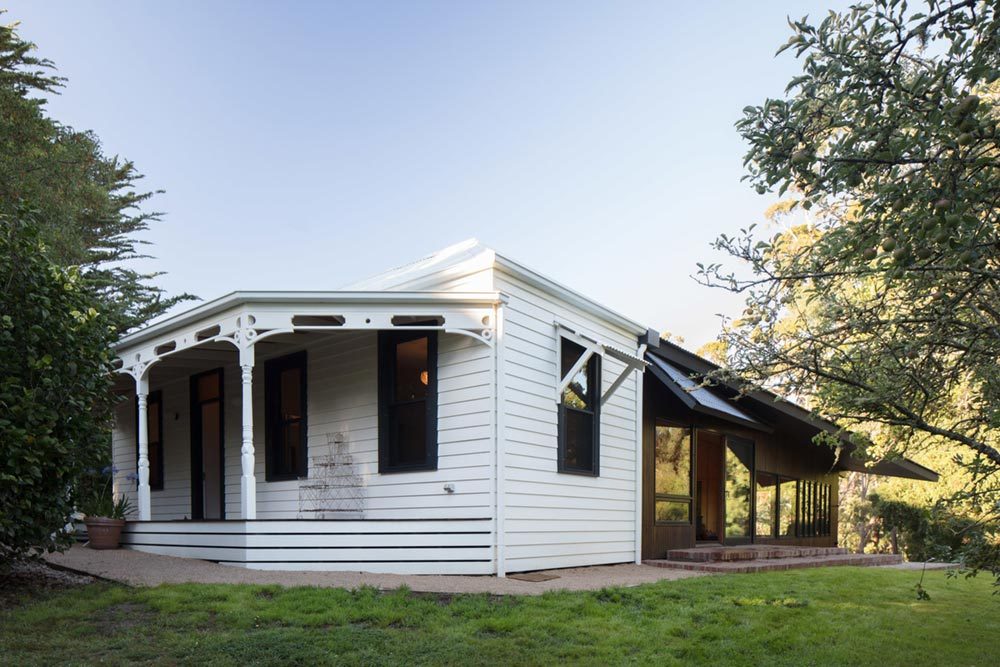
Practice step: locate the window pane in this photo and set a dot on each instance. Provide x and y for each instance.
(155, 453)
(673, 461)
(291, 434)
(828, 510)
(739, 457)
(822, 510)
(673, 510)
(815, 508)
(208, 387)
(807, 507)
(153, 421)
(766, 504)
(786, 508)
(408, 433)
(286, 415)
(577, 393)
(290, 386)
(411, 370)
(579, 447)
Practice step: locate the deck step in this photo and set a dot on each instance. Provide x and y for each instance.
(773, 564)
(750, 553)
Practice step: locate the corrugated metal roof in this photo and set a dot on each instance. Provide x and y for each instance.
(703, 397)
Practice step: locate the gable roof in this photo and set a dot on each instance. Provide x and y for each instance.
(459, 259)
(471, 256)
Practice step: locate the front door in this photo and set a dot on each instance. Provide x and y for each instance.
(207, 448)
(708, 486)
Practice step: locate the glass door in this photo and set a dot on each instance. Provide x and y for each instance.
(738, 491)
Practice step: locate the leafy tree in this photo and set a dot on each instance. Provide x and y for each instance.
(924, 534)
(880, 306)
(55, 389)
(88, 205)
(69, 215)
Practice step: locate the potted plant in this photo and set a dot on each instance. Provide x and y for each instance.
(104, 514)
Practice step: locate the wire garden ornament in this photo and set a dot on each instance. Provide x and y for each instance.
(335, 488)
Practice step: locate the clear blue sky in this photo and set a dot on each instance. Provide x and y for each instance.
(308, 145)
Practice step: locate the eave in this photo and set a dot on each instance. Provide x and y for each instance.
(291, 299)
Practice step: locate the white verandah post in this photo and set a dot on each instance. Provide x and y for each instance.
(142, 431)
(248, 484)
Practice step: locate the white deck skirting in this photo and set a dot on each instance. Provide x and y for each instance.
(461, 546)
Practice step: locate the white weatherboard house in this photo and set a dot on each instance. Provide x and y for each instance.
(462, 414)
(409, 424)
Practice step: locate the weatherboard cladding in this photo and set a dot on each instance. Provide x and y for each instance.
(551, 519)
(555, 519)
(342, 398)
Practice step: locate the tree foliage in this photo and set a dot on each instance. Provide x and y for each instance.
(926, 534)
(55, 389)
(69, 220)
(880, 304)
(89, 208)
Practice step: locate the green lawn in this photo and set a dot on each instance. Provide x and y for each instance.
(834, 616)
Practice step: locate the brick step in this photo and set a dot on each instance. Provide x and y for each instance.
(770, 565)
(749, 553)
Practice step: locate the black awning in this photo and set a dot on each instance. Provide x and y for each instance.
(698, 398)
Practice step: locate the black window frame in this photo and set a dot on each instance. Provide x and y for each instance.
(273, 424)
(667, 497)
(387, 345)
(593, 366)
(152, 398)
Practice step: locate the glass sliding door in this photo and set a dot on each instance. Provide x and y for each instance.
(739, 489)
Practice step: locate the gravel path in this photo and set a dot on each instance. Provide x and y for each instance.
(918, 565)
(142, 569)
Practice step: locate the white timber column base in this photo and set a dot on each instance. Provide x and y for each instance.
(142, 429)
(248, 483)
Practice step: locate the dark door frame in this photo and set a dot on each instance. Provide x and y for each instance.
(197, 463)
(725, 436)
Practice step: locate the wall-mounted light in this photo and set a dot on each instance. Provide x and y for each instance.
(423, 378)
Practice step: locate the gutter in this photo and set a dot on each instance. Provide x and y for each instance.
(240, 298)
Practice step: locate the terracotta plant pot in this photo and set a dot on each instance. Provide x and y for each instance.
(104, 533)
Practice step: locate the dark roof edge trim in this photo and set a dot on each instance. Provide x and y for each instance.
(692, 404)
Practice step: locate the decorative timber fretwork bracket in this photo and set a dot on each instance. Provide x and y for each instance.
(591, 346)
